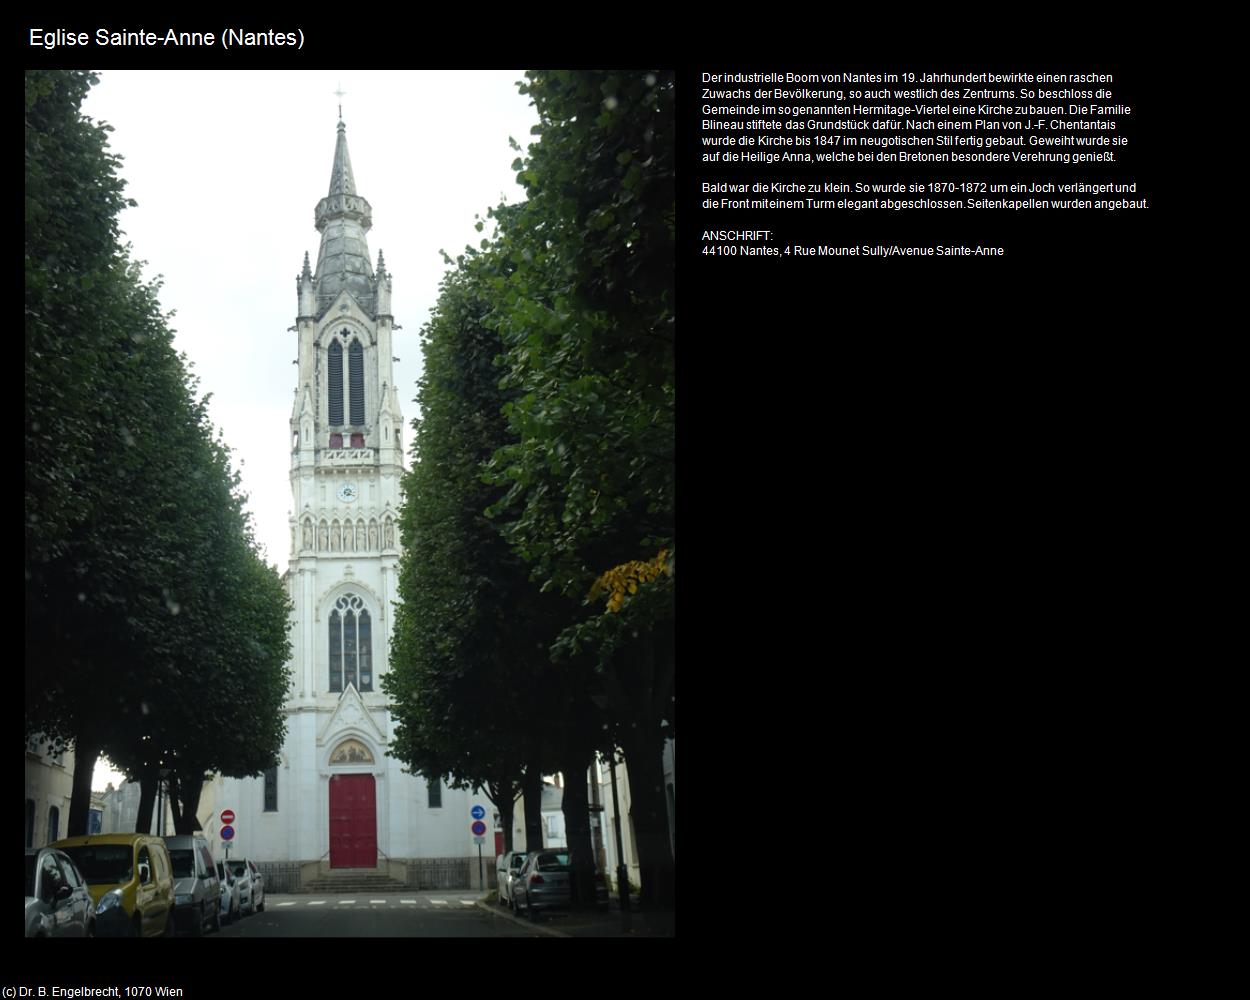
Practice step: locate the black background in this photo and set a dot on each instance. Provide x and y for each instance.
(911, 489)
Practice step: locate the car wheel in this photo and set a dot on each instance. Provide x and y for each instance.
(198, 929)
(217, 918)
(170, 929)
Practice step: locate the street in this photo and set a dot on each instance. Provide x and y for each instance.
(415, 914)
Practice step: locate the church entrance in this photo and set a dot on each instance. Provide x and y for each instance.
(353, 822)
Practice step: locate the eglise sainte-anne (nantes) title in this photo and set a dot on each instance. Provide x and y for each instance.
(54, 38)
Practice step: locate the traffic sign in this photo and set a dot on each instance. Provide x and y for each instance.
(227, 833)
(227, 816)
(478, 812)
(478, 828)
(479, 840)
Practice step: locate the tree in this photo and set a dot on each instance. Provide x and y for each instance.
(586, 312)
(145, 600)
(469, 647)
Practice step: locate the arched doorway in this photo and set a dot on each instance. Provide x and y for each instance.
(353, 811)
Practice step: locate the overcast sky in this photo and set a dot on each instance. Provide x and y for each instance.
(227, 168)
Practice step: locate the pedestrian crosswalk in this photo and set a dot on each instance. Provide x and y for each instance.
(392, 901)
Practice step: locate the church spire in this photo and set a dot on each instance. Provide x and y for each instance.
(343, 218)
(341, 179)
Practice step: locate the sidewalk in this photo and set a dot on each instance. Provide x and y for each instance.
(589, 923)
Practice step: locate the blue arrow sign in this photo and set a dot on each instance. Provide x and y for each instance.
(478, 812)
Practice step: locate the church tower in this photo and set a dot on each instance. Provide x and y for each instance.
(336, 800)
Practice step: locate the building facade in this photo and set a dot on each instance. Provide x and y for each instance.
(335, 799)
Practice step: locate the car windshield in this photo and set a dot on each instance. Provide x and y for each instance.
(30, 874)
(104, 864)
(238, 867)
(184, 863)
(552, 862)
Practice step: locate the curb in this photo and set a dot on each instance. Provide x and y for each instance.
(496, 911)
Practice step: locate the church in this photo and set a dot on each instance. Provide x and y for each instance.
(336, 804)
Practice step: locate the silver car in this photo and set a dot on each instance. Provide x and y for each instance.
(542, 883)
(58, 903)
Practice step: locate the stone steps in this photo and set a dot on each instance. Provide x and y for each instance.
(354, 881)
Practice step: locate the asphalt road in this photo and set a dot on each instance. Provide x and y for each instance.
(415, 914)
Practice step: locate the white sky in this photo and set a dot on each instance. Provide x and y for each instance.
(227, 168)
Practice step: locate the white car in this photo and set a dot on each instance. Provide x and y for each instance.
(58, 903)
(258, 888)
(243, 876)
(506, 868)
(230, 908)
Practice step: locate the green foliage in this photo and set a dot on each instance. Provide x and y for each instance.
(153, 627)
(471, 631)
(587, 315)
(545, 463)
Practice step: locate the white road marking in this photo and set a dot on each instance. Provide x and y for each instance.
(410, 902)
(347, 902)
(439, 902)
(382, 901)
(286, 904)
(466, 902)
(317, 902)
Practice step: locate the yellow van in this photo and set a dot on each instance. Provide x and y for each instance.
(131, 881)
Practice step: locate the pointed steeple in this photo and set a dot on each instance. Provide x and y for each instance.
(341, 179)
(343, 218)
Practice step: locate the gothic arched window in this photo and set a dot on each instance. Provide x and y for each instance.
(335, 372)
(356, 376)
(351, 645)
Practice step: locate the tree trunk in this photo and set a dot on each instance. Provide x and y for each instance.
(503, 795)
(649, 811)
(577, 827)
(86, 752)
(187, 802)
(532, 789)
(147, 801)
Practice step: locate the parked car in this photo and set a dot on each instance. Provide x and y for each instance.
(58, 902)
(506, 867)
(229, 908)
(543, 883)
(258, 888)
(131, 882)
(197, 890)
(243, 875)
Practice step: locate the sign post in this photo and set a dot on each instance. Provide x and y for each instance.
(227, 831)
(479, 834)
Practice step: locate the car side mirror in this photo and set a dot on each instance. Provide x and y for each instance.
(63, 893)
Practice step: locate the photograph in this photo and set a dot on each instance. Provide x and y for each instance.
(350, 503)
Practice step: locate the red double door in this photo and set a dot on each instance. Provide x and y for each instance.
(353, 822)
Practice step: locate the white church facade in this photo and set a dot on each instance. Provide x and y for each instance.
(336, 801)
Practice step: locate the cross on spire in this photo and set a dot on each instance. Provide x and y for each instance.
(339, 93)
